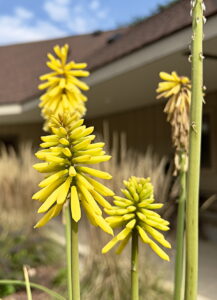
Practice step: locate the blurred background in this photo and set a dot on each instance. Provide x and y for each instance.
(126, 44)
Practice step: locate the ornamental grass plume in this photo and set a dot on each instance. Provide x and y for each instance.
(135, 213)
(178, 91)
(66, 152)
(63, 88)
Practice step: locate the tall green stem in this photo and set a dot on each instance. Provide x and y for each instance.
(179, 262)
(75, 262)
(134, 267)
(194, 154)
(72, 256)
(68, 227)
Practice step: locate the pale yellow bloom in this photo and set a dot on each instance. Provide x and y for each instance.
(67, 153)
(63, 89)
(178, 91)
(135, 211)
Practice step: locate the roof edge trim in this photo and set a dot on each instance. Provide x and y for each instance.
(16, 109)
(150, 53)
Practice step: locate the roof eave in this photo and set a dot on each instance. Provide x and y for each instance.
(125, 64)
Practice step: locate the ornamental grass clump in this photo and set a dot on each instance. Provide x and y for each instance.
(66, 153)
(135, 212)
(63, 90)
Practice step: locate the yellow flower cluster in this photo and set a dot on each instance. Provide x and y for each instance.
(178, 90)
(63, 88)
(135, 213)
(66, 152)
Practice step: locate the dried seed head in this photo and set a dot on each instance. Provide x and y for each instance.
(178, 91)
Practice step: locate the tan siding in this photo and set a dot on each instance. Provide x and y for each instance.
(162, 132)
(145, 127)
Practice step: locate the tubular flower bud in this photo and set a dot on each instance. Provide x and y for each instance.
(178, 91)
(66, 153)
(62, 87)
(136, 212)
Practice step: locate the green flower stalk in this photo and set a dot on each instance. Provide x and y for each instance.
(63, 96)
(135, 213)
(194, 153)
(178, 91)
(63, 90)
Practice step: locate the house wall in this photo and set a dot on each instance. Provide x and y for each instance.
(144, 127)
(16, 134)
(147, 126)
(209, 174)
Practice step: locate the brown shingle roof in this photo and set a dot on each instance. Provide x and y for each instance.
(22, 64)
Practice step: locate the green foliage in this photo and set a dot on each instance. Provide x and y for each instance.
(7, 290)
(60, 279)
(18, 250)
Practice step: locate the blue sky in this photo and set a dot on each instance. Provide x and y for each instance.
(31, 20)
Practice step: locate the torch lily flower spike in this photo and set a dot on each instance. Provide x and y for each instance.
(135, 212)
(62, 87)
(66, 152)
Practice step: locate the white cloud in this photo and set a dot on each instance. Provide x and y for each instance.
(102, 14)
(16, 28)
(63, 2)
(78, 9)
(94, 5)
(76, 18)
(80, 25)
(98, 10)
(57, 10)
(64, 17)
(23, 13)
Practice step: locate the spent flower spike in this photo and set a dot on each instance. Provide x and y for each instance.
(63, 88)
(178, 91)
(135, 211)
(66, 152)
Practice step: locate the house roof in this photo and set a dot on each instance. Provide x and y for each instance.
(22, 64)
